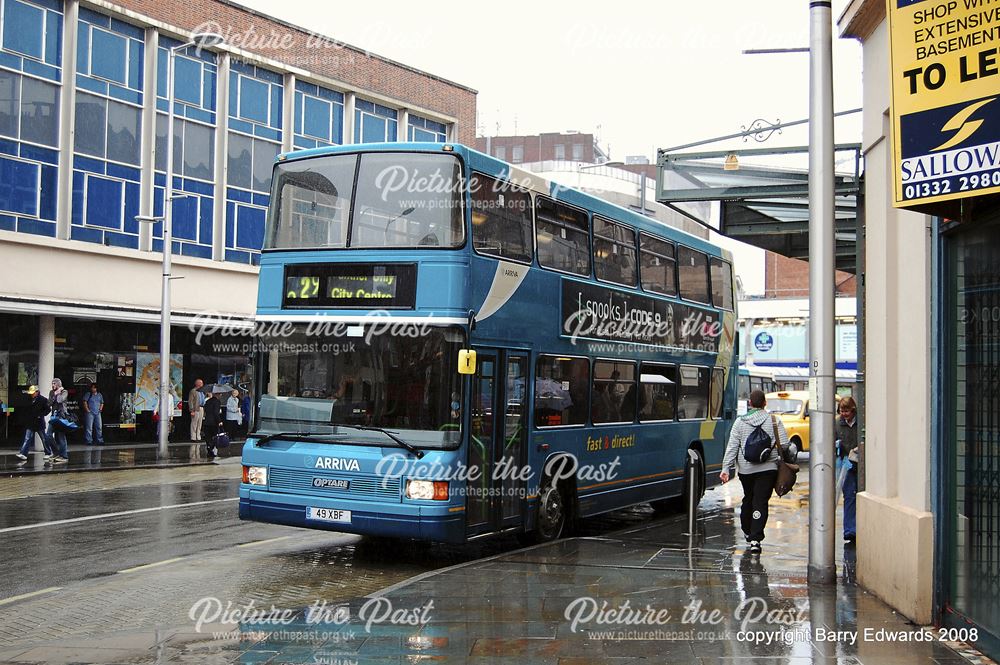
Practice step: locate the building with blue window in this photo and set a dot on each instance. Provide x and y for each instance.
(83, 131)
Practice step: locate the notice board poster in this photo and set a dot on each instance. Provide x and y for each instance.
(945, 73)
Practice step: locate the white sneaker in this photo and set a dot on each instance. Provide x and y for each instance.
(59, 460)
(49, 457)
(21, 457)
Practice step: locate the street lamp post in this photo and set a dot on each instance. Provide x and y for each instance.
(201, 40)
(822, 244)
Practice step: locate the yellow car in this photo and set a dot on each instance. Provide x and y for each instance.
(792, 407)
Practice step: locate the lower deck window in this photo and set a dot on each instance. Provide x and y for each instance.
(657, 392)
(561, 387)
(692, 403)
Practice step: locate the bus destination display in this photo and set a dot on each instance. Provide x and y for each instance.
(339, 285)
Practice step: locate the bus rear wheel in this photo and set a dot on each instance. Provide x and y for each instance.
(552, 515)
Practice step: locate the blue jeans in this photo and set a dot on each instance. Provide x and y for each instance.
(850, 502)
(92, 419)
(55, 438)
(28, 444)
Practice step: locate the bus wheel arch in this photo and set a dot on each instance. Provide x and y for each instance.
(557, 504)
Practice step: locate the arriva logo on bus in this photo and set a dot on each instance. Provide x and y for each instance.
(333, 463)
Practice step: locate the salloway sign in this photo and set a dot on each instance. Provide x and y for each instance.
(945, 99)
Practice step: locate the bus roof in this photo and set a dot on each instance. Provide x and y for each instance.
(499, 169)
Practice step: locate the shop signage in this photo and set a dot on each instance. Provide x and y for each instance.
(945, 71)
(763, 342)
(340, 285)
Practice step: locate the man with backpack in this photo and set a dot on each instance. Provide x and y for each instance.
(753, 452)
(34, 424)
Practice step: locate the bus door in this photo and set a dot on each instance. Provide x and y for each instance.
(498, 441)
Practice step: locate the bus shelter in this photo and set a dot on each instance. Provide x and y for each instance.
(763, 199)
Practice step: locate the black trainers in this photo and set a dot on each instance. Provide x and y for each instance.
(754, 547)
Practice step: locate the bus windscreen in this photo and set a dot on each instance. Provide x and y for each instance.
(373, 200)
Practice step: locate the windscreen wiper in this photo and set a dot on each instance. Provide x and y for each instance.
(291, 435)
(392, 435)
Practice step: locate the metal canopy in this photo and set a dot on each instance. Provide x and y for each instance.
(764, 206)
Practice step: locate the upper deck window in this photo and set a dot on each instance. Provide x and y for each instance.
(722, 284)
(614, 252)
(501, 219)
(401, 200)
(693, 272)
(408, 200)
(659, 265)
(312, 203)
(563, 238)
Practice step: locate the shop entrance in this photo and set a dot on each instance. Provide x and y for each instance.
(971, 433)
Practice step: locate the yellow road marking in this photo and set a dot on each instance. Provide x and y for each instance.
(151, 565)
(14, 599)
(262, 542)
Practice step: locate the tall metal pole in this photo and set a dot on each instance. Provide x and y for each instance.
(822, 243)
(168, 199)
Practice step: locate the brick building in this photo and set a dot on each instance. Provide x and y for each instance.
(551, 146)
(83, 130)
(789, 278)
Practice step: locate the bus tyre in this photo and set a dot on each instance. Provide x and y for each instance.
(552, 515)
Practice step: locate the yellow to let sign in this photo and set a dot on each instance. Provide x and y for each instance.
(945, 99)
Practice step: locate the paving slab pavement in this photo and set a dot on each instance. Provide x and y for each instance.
(113, 457)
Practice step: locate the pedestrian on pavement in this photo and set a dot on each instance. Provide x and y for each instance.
(245, 411)
(212, 423)
(57, 408)
(757, 478)
(847, 436)
(196, 405)
(167, 408)
(35, 424)
(234, 418)
(93, 405)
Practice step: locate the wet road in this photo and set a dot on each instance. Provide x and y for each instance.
(85, 561)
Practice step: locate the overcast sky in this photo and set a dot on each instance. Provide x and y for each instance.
(640, 75)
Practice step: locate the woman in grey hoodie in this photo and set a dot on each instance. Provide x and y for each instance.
(757, 479)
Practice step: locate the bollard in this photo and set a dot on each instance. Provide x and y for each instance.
(692, 507)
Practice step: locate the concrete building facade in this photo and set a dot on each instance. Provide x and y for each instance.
(928, 526)
(83, 111)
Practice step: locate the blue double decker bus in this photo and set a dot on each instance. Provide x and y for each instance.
(450, 347)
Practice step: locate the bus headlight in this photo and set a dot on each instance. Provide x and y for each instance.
(255, 475)
(427, 490)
